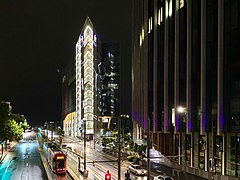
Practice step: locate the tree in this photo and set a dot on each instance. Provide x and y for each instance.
(5, 112)
(20, 120)
(13, 130)
(24, 125)
(60, 133)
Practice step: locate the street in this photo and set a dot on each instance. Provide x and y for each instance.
(98, 162)
(23, 161)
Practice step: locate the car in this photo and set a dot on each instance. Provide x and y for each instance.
(162, 177)
(137, 169)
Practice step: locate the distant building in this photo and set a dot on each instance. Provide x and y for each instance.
(110, 81)
(91, 85)
(85, 82)
(69, 97)
(185, 53)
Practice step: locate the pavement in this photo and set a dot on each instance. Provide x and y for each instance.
(4, 151)
(175, 172)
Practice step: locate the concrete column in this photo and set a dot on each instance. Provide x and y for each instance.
(176, 79)
(203, 120)
(166, 59)
(220, 118)
(189, 75)
(220, 108)
(189, 66)
(176, 68)
(155, 68)
(203, 124)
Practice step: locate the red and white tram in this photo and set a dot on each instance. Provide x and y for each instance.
(55, 157)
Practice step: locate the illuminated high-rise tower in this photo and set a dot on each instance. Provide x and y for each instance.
(86, 79)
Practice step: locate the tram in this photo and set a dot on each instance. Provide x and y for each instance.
(55, 158)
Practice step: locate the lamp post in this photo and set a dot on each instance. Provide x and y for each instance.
(212, 162)
(119, 148)
(148, 149)
(119, 142)
(180, 110)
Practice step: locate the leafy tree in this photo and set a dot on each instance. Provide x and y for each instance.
(60, 133)
(20, 120)
(17, 117)
(5, 113)
(140, 149)
(13, 130)
(24, 125)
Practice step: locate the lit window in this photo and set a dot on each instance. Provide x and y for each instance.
(149, 24)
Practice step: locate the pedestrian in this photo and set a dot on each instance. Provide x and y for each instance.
(127, 176)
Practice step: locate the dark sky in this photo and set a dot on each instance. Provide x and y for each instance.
(38, 36)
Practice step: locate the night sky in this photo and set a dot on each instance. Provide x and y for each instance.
(37, 37)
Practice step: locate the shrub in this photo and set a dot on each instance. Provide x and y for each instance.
(130, 158)
(136, 160)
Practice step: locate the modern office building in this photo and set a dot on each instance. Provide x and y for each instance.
(110, 80)
(91, 86)
(185, 81)
(85, 83)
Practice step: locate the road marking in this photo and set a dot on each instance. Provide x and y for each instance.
(6, 169)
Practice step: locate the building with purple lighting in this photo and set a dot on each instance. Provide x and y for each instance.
(185, 54)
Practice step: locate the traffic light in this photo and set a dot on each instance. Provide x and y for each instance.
(107, 176)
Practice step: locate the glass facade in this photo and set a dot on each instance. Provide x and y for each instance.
(191, 60)
(109, 71)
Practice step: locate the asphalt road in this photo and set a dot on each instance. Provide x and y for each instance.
(99, 168)
(23, 162)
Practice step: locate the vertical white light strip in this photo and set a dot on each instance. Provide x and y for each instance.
(78, 87)
(88, 66)
(161, 18)
(181, 3)
(170, 8)
(142, 36)
(166, 8)
(149, 25)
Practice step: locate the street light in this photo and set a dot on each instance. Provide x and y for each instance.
(119, 148)
(212, 161)
(148, 149)
(180, 110)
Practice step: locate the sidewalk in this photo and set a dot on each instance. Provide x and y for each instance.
(4, 151)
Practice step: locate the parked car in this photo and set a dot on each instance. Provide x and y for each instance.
(136, 169)
(163, 177)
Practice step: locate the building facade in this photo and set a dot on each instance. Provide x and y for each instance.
(110, 79)
(91, 86)
(185, 55)
(68, 98)
(85, 82)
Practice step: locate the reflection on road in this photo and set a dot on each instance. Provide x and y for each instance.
(24, 161)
